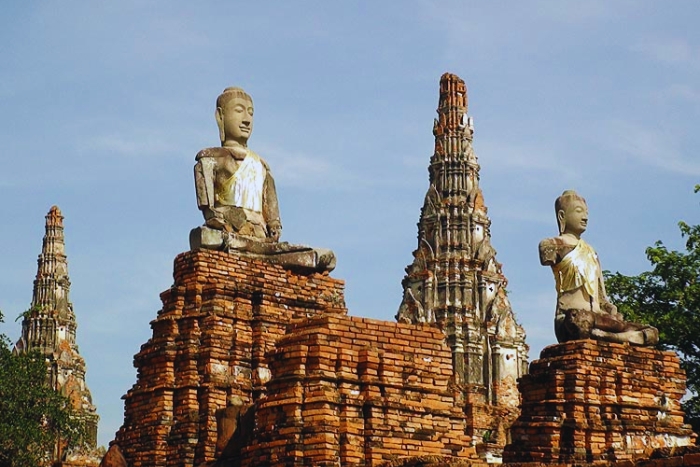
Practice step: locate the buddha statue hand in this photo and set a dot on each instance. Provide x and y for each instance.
(274, 230)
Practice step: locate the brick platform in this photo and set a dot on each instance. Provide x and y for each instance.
(357, 391)
(587, 401)
(219, 319)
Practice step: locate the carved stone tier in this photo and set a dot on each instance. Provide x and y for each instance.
(588, 401)
(222, 315)
(358, 391)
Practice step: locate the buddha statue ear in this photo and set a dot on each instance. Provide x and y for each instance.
(561, 220)
(219, 115)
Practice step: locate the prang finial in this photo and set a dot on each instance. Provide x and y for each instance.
(452, 106)
(54, 218)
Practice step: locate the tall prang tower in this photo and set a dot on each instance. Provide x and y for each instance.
(456, 283)
(49, 326)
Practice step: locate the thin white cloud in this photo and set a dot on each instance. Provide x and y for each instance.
(519, 212)
(682, 92)
(296, 169)
(470, 28)
(650, 145)
(137, 34)
(670, 50)
(575, 12)
(543, 160)
(138, 143)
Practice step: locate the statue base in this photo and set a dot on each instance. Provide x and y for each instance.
(586, 401)
(300, 258)
(209, 349)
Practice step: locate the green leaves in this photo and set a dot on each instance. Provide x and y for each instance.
(36, 422)
(668, 297)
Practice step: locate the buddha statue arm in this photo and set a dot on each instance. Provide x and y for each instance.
(204, 175)
(271, 212)
(204, 181)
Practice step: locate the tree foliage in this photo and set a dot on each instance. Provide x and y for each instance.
(34, 419)
(668, 297)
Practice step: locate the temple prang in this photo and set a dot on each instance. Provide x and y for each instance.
(49, 326)
(455, 281)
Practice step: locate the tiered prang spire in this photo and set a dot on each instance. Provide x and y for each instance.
(455, 281)
(49, 326)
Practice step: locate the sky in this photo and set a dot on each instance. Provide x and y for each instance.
(103, 106)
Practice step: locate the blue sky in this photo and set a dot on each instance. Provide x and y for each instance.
(103, 106)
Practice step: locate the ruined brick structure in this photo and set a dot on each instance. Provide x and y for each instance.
(456, 283)
(49, 326)
(358, 391)
(591, 401)
(343, 389)
(219, 319)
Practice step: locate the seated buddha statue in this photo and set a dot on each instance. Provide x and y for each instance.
(583, 310)
(237, 196)
(235, 189)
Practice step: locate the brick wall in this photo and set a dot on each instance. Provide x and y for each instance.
(358, 391)
(588, 401)
(219, 319)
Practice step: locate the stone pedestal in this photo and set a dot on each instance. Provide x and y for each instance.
(588, 401)
(210, 340)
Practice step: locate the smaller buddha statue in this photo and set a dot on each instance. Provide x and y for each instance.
(583, 309)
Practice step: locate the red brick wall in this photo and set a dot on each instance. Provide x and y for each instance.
(357, 391)
(586, 401)
(220, 317)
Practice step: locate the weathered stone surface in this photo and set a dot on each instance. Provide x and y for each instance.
(583, 310)
(589, 401)
(328, 388)
(296, 257)
(456, 283)
(113, 458)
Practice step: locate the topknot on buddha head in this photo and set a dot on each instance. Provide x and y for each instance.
(231, 93)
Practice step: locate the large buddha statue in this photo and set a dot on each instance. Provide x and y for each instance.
(235, 189)
(583, 309)
(237, 196)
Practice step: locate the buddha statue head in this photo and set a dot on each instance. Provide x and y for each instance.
(234, 116)
(572, 213)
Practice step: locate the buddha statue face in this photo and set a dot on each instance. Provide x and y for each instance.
(572, 213)
(235, 119)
